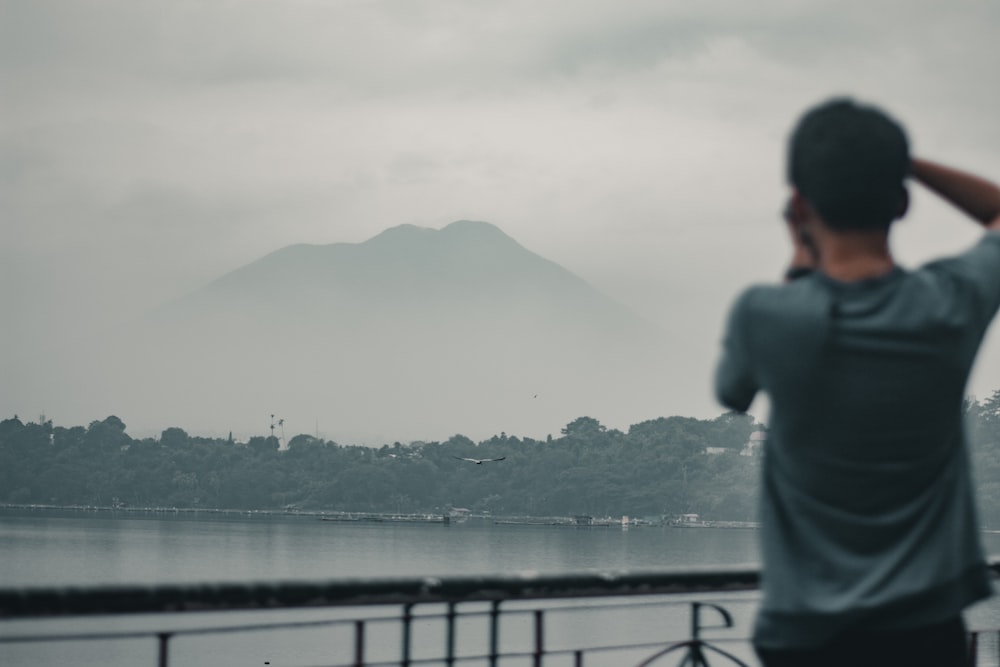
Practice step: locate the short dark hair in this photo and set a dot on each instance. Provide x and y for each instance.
(850, 162)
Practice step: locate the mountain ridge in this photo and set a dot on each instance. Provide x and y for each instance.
(467, 259)
(414, 333)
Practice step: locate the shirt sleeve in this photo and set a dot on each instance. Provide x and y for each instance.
(735, 384)
(979, 268)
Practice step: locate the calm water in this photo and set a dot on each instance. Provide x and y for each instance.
(45, 549)
(74, 549)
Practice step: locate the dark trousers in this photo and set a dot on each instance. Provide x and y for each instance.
(940, 645)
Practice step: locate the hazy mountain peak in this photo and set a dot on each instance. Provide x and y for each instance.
(468, 231)
(473, 227)
(412, 331)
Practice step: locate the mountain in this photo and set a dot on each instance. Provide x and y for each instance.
(413, 334)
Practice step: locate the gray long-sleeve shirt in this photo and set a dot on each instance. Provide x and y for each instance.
(867, 508)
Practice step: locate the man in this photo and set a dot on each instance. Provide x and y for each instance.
(869, 535)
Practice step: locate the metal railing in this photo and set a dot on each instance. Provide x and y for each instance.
(614, 618)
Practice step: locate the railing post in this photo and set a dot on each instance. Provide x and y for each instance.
(539, 637)
(359, 643)
(695, 620)
(450, 658)
(407, 638)
(163, 659)
(694, 650)
(494, 632)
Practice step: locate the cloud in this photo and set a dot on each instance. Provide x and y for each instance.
(395, 47)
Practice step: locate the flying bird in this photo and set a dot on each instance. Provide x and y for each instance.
(477, 461)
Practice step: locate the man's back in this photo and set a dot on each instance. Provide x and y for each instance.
(869, 528)
(868, 501)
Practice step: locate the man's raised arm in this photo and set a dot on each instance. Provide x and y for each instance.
(975, 196)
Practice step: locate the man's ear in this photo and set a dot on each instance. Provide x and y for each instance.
(904, 202)
(799, 209)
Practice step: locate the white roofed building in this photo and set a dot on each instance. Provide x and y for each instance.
(755, 445)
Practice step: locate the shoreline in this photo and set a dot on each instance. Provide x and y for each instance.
(341, 516)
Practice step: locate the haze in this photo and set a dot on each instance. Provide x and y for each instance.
(147, 149)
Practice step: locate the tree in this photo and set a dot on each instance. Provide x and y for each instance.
(259, 443)
(584, 427)
(115, 423)
(990, 409)
(731, 430)
(174, 437)
(108, 434)
(27, 440)
(302, 440)
(459, 441)
(8, 426)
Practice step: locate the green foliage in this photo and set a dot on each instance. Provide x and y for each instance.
(583, 427)
(658, 468)
(983, 429)
(173, 437)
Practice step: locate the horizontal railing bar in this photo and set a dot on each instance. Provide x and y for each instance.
(392, 618)
(145, 634)
(611, 607)
(606, 648)
(525, 654)
(36, 602)
(383, 619)
(218, 630)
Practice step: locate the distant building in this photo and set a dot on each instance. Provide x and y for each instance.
(755, 444)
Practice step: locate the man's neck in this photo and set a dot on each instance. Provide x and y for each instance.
(855, 255)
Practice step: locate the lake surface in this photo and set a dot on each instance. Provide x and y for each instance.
(100, 548)
(76, 549)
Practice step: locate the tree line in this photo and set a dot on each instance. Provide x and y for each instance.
(658, 468)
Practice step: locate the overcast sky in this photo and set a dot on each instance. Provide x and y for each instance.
(149, 147)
